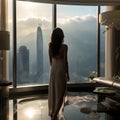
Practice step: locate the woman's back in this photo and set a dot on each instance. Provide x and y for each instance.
(60, 52)
(58, 61)
(58, 73)
(60, 55)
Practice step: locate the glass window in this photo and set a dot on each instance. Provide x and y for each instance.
(34, 24)
(102, 46)
(10, 29)
(80, 27)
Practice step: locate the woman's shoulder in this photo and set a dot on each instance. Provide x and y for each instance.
(49, 44)
(64, 46)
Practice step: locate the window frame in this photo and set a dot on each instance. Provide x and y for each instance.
(54, 20)
(79, 2)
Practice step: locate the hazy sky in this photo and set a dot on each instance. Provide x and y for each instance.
(33, 9)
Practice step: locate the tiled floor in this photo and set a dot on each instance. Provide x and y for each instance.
(37, 109)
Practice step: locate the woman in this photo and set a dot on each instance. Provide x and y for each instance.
(59, 74)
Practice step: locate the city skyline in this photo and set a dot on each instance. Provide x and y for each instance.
(23, 74)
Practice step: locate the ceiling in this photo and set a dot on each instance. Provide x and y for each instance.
(79, 2)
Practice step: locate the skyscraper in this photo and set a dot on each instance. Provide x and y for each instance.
(39, 50)
(23, 65)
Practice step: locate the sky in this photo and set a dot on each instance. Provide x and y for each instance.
(36, 9)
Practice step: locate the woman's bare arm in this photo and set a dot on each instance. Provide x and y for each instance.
(50, 56)
(66, 61)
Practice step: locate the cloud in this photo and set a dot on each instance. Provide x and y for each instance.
(76, 21)
(27, 26)
(74, 25)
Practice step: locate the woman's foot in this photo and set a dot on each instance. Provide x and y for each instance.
(54, 118)
(62, 117)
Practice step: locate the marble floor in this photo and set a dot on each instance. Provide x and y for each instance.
(79, 106)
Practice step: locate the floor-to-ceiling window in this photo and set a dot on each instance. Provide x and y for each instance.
(34, 24)
(10, 29)
(102, 46)
(80, 27)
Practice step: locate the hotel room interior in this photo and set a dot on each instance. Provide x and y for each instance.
(102, 91)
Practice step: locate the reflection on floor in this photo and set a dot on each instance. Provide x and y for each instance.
(80, 106)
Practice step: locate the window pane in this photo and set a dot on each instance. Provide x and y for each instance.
(34, 26)
(79, 24)
(10, 26)
(102, 45)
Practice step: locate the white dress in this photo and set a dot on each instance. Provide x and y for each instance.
(57, 86)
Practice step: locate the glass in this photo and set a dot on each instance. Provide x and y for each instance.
(34, 24)
(102, 46)
(79, 24)
(10, 29)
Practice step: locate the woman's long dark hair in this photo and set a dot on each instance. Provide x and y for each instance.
(57, 37)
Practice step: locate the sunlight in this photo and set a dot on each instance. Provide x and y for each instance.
(27, 5)
(30, 112)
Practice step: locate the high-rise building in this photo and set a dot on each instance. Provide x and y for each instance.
(23, 65)
(39, 54)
